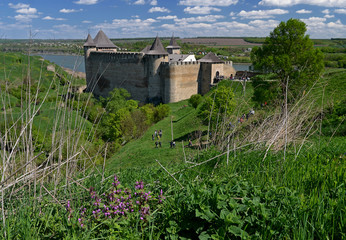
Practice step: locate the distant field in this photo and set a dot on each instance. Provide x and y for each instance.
(219, 41)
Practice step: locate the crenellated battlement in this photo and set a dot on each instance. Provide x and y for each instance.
(180, 63)
(117, 56)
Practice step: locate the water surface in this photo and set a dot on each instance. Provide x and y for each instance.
(68, 61)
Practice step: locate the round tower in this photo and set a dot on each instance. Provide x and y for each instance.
(155, 56)
(88, 46)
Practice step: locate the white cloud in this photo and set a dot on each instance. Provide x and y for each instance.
(340, 11)
(51, 18)
(329, 16)
(86, 21)
(25, 17)
(64, 10)
(168, 17)
(87, 2)
(158, 9)
(261, 14)
(66, 31)
(18, 6)
(208, 18)
(27, 10)
(26, 13)
(287, 3)
(303, 11)
(269, 24)
(48, 18)
(221, 3)
(319, 28)
(139, 2)
(201, 10)
(233, 28)
(153, 2)
(129, 27)
(326, 11)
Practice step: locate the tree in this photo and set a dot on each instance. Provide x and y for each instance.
(290, 54)
(220, 104)
(116, 99)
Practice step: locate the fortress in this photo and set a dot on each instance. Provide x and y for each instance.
(153, 75)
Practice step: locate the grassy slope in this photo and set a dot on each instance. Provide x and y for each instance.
(142, 152)
(13, 70)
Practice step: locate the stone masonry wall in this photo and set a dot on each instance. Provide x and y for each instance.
(117, 70)
(180, 80)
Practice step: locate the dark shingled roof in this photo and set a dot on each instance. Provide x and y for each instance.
(146, 49)
(157, 48)
(89, 42)
(102, 41)
(173, 43)
(211, 58)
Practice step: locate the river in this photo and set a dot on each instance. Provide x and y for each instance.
(77, 62)
(73, 62)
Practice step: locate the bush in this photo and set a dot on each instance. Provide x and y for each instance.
(195, 100)
(161, 111)
(334, 121)
(264, 90)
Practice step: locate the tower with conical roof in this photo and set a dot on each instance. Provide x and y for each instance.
(103, 42)
(88, 46)
(155, 56)
(89, 43)
(173, 47)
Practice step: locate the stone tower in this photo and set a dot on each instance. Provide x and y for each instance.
(173, 47)
(88, 46)
(211, 67)
(153, 59)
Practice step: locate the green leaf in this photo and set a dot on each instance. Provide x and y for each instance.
(204, 236)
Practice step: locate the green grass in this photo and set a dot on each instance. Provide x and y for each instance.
(142, 152)
(301, 198)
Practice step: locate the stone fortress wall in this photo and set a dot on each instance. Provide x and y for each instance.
(149, 76)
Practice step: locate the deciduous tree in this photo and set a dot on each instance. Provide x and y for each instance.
(290, 54)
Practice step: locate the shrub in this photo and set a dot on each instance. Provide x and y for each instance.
(195, 100)
(161, 111)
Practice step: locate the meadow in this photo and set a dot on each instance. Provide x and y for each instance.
(269, 177)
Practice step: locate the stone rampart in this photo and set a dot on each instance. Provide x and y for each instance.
(118, 70)
(150, 78)
(180, 80)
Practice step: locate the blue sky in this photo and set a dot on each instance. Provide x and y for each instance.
(54, 19)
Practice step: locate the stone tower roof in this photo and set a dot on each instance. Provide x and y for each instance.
(146, 49)
(173, 43)
(211, 58)
(89, 42)
(102, 41)
(157, 48)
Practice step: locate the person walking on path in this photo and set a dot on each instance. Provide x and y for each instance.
(160, 133)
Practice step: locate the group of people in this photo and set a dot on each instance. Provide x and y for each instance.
(246, 116)
(158, 136)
